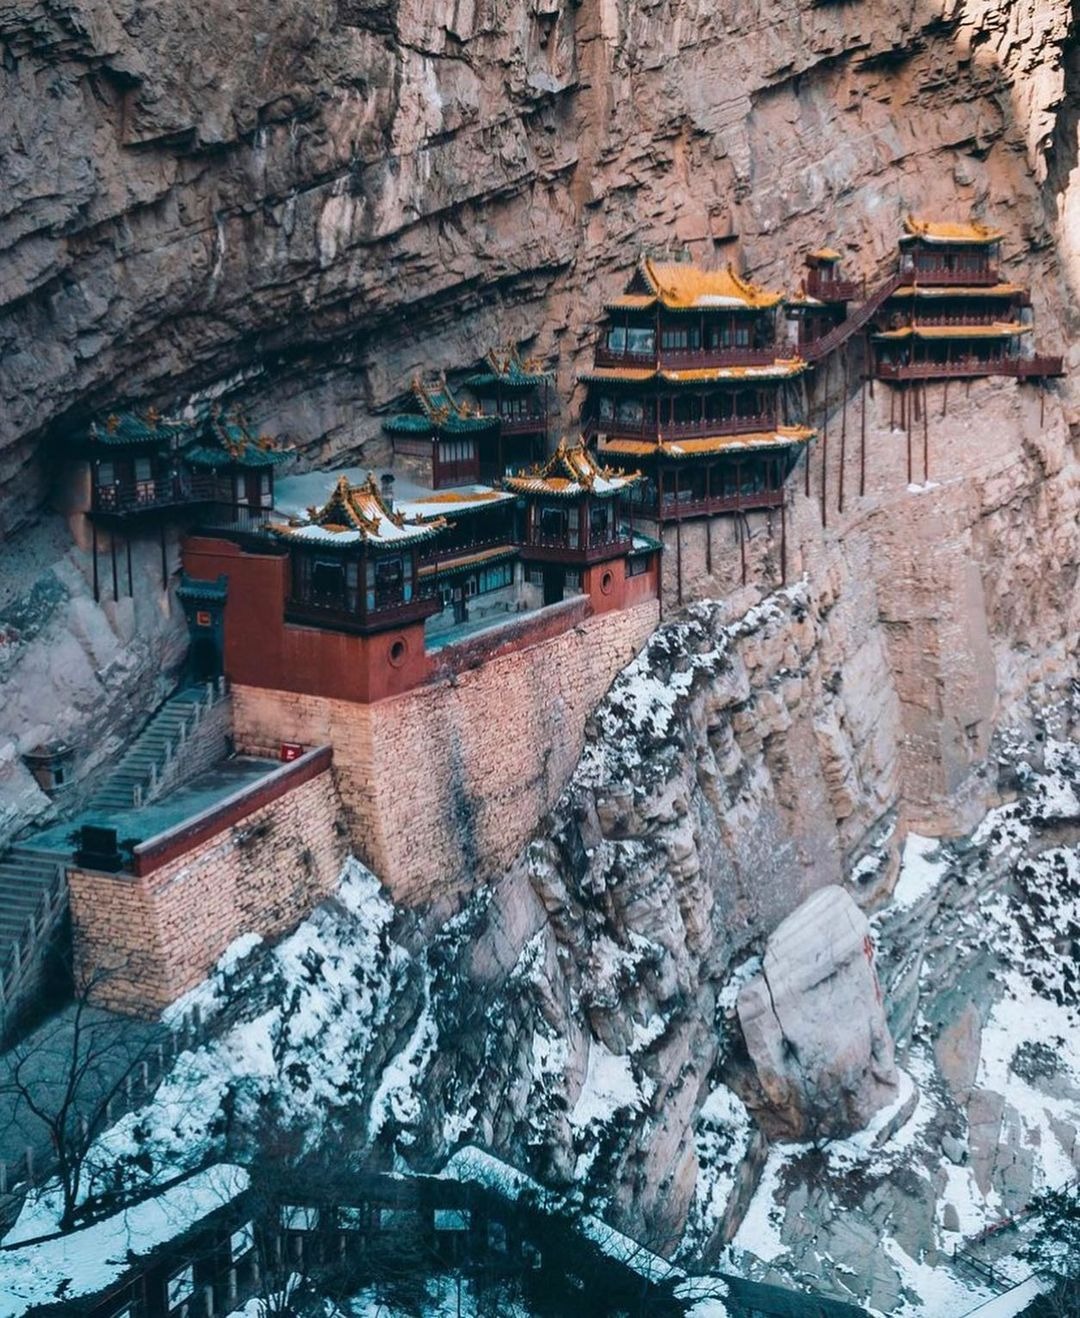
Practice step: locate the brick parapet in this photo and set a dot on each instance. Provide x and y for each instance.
(148, 938)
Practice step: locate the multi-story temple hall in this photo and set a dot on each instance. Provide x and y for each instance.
(951, 313)
(691, 385)
(448, 441)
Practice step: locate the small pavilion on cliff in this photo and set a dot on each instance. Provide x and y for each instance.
(573, 521)
(452, 439)
(517, 392)
(138, 471)
(354, 565)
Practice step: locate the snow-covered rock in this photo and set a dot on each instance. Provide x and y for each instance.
(814, 1024)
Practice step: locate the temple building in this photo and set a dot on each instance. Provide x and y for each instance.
(950, 314)
(821, 304)
(134, 473)
(241, 465)
(692, 387)
(575, 535)
(366, 595)
(517, 392)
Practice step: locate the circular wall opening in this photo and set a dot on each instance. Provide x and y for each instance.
(606, 582)
(398, 650)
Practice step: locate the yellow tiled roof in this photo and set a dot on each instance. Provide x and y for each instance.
(921, 290)
(466, 560)
(946, 232)
(680, 286)
(629, 374)
(359, 512)
(680, 448)
(825, 254)
(571, 470)
(782, 366)
(996, 331)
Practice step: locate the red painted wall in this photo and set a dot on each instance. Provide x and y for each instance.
(263, 650)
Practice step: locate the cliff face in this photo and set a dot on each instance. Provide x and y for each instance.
(300, 204)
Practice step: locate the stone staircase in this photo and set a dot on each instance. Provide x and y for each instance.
(150, 764)
(33, 904)
(186, 735)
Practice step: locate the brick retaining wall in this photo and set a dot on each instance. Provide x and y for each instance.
(443, 785)
(255, 866)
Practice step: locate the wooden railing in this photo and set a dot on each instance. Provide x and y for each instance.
(23, 963)
(1020, 368)
(839, 334)
(672, 508)
(567, 549)
(132, 496)
(653, 430)
(331, 612)
(950, 278)
(688, 359)
(523, 424)
(832, 290)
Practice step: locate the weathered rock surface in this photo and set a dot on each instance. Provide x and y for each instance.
(814, 1024)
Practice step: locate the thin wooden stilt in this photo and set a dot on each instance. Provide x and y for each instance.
(945, 397)
(740, 523)
(843, 436)
(783, 540)
(907, 407)
(925, 432)
(97, 584)
(1042, 402)
(708, 545)
(127, 541)
(862, 440)
(678, 559)
(164, 561)
(892, 409)
(825, 451)
(115, 578)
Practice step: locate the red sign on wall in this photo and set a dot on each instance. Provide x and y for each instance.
(291, 750)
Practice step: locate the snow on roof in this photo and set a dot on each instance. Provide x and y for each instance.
(357, 514)
(445, 503)
(569, 472)
(85, 1262)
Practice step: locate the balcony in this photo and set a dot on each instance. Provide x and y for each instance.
(674, 509)
(452, 553)
(947, 278)
(128, 498)
(553, 548)
(832, 290)
(1019, 368)
(653, 432)
(523, 424)
(330, 612)
(687, 359)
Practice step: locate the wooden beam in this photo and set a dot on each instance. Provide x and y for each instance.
(862, 438)
(843, 434)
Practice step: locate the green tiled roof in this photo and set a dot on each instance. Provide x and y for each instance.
(249, 455)
(506, 368)
(407, 423)
(228, 441)
(130, 429)
(203, 592)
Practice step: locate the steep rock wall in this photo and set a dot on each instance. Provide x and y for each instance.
(298, 205)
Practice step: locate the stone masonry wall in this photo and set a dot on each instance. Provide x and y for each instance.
(442, 786)
(151, 939)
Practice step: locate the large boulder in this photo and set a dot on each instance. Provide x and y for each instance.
(815, 1026)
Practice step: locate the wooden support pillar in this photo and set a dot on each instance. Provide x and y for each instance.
(892, 409)
(945, 397)
(164, 561)
(740, 522)
(115, 580)
(127, 541)
(925, 432)
(1042, 402)
(93, 550)
(825, 447)
(862, 439)
(843, 435)
(783, 539)
(678, 558)
(907, 408)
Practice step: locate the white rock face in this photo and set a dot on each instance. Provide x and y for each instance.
(815, 1026)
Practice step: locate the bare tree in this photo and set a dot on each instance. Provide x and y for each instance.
(62, 1085)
